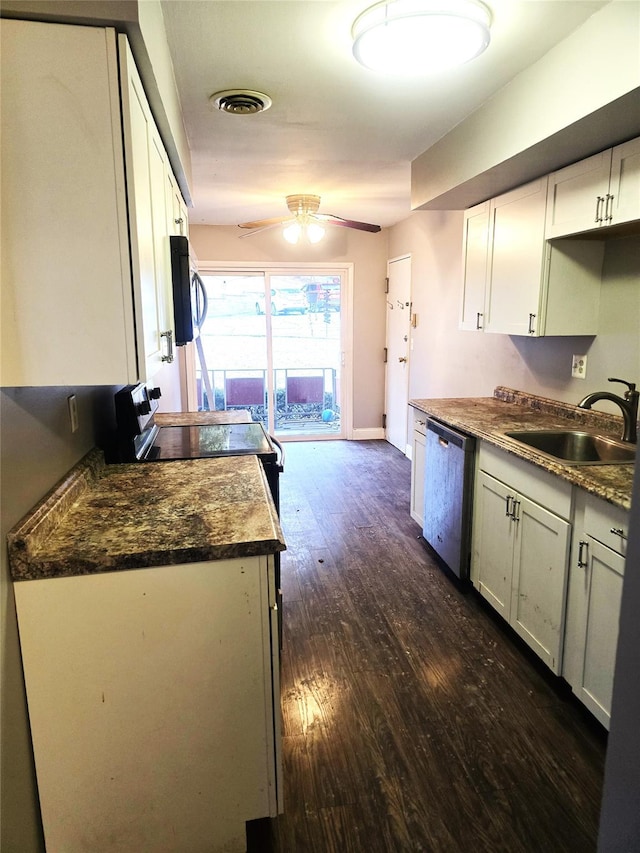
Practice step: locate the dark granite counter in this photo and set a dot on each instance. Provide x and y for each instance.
(489, 418)
(104, 518)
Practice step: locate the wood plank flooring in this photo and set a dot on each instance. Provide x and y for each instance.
(413, 719)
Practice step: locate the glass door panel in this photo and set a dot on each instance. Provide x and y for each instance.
(234, 341)
(272, 346)
(306, 351)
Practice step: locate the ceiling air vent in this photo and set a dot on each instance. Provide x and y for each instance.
(240, 102)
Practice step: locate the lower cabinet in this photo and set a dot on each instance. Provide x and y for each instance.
(520, 552)
(593, 606)
(153, 701)
(418, 441)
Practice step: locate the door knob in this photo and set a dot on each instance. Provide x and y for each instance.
(401, 360)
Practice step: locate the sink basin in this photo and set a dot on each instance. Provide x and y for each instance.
(577, 448)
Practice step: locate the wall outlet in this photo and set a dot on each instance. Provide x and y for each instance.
(579, 367)
(73, 412)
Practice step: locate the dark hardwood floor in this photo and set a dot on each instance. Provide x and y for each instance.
(412, 719)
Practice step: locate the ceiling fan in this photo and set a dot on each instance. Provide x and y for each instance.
(305, 219)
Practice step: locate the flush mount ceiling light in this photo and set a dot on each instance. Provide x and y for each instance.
(240, 102)
(420, 36)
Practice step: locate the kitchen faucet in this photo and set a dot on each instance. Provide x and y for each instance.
(628, 405)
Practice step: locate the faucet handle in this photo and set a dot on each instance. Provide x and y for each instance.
(630, 385)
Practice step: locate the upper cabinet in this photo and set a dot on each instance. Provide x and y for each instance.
(86, 296)
(598, 192)
(475, 251)
(517, 283)
(148, 199)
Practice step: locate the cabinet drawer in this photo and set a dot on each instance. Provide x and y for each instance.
(540, 486)
(602, 519)
(419, 422)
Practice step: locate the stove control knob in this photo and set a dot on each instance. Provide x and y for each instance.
(144, 407)
(154, 393)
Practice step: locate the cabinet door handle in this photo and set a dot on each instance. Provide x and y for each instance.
(598, 206)
(618, 531)
(508, 500)
(583, 549)
(478, 317)
(169, 337)
(532, 317)
(514, 512)
(608, 210)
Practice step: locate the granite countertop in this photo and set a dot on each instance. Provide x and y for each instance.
(489, 418)
(103, 518)
(237, 416)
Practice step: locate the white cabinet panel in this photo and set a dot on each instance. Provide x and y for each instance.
(86, 286)
(67, 315)
(624, 184)
(520, 554)
(475, 254)
(153, 704)
(492, 554)
(417, 466)
(574, 201)
(147, 166)
(517, 283)
(605, 571)
(516, 260)
(593, 606)
(539, 580)
(595, 193)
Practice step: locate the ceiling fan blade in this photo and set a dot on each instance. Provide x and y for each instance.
(266, 225)
(261, 223)
(330, 219)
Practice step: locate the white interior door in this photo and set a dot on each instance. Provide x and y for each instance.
(397, 372)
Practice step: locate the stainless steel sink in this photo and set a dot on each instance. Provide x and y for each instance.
(577, 448)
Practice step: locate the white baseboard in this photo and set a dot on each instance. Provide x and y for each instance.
(367, 434)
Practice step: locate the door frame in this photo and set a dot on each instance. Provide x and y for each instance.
(346, 320)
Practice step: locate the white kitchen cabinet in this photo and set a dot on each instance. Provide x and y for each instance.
(517, 283)
(153, 704)
(148, 188)
(475, 253)
(597, 192)
(178, 217)
(84, 298)
(417, 466)
(67, 313)
(521, 549)
(593, 606)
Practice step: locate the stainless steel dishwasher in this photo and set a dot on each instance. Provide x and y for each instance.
(448, 490)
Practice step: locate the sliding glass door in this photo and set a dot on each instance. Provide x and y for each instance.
(273, 346)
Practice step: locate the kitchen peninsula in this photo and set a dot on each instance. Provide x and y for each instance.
(146, 606)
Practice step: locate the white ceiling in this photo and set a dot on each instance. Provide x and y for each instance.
(335, 129)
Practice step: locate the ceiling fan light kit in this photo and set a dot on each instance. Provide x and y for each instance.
(420, 36)
(305, 220)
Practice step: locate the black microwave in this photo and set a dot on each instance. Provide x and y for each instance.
(189, 293)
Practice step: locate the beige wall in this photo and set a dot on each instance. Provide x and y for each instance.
(447, 362)
(367, 252)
